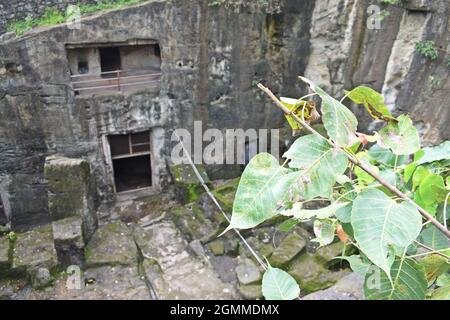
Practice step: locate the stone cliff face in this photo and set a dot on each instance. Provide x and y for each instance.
(346, 53)
(212, 55)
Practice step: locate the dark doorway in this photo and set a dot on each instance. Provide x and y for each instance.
(157, 50)
(3, 219)
(132, 173)
(110, 59)
(131, 157)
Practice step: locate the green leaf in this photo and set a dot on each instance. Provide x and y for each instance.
(344, 214)
(372, 101)
(408, 282)
(409, 171)
(307, 214)
(443, 280)
(431, 191)
(288, 225)
(385, 156)
(324, 230)
(438, 153)
(379, 223)
(434, 238)
(402, 137)
(292, 105)
(442, 293)
(279, 285)
(263, 185)
(319, 163)
(340, 122)
(305, 110)
(419, 175)
(357, 264)
(363, 177)
(434, 265)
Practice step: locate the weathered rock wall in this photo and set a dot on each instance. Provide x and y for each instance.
(211, 56)
(345, 53)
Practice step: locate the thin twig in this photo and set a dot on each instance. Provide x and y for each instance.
(358, 163)
(213, 198)
(431, 250)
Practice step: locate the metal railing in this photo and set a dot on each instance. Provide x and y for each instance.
(118, 80)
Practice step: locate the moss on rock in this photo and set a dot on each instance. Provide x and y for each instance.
(312, 275)
(187, 186)
(112, 244)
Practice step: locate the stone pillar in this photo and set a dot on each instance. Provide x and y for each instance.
(71, 206)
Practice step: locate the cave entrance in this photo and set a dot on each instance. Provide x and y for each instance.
(3, 219)
(131, 160)
(110, 60)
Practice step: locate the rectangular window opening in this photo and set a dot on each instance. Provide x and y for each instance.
(110, 60)
(105, 68)
(131, 159)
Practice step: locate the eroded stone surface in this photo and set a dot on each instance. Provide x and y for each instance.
(250, 292)
(248, 272)
(102, 283)
(68, 239)
(4, 254)
(312, 275)
(70, 191)
(287, 250)
(349, 287)
(35, 249)
(111, 244)
(174, 273)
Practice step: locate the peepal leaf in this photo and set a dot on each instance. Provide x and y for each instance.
(408, 282)
(319, 163)
(279, 285)
(402, 137)
(263, 185)
(379, 223)
(372, 101)
(438, 153)
(340, 122)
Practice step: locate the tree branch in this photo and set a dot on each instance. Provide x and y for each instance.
(358, 163)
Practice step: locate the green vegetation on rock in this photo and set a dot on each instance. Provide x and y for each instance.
(52, 16)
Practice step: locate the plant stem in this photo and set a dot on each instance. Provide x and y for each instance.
(431, 250)
(358, 163)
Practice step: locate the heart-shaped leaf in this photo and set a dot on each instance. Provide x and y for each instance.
(279, 285)
(379, 223)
